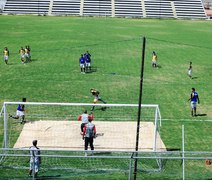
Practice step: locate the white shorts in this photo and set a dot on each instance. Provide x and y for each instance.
(87, 64)
(6, 58)
(193, 104)
(154, 62)
(19, 113)
(26, 55)
(189, 72)
(82, 65)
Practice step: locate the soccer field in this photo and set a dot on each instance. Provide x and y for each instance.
(54, 75)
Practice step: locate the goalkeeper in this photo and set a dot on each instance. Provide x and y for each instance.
(97, 98)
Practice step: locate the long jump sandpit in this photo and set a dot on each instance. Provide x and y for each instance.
(65, 135)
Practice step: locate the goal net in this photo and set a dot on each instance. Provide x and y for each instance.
(55, 126)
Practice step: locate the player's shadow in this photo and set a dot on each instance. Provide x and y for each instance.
(92, 70)
(158, 66)
(194, 77)
(47, 177)
(33, 60)
(201, 115)
(102, 108)
(173, 149)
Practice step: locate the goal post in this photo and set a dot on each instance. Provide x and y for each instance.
(117, 116)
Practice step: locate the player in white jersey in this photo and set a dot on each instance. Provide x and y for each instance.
(35, 160)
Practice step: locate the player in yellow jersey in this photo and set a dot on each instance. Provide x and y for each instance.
(27, 54)
(97, 98)
(154, 59)
(6, 55)
(22, 54)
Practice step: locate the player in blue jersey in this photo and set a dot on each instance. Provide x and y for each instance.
(20, 112)
(87, 57)
(194, 99)
(82, 64)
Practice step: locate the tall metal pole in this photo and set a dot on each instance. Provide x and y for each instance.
(183, 149)
(139, 105)
(5, 128)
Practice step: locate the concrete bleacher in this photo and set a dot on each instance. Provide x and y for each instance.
(68, 7)
(26, 7)
(97, 8)
(128, 8)
(192, 9)
(159, 9)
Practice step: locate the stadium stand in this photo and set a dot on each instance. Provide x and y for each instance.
(128, 8)
(191, 9)
(155, 9)
(97, 8)
(26, 7)
(68, 7)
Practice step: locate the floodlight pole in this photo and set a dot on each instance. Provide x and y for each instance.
(139, 105)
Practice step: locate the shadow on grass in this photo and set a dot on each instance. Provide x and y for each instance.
(173, 149)
(47, 177)
(201, 115)
(159, 66)
(93, 69)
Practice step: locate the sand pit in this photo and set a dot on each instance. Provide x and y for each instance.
(66, 135)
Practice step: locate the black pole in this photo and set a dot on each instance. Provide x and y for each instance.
(139, 105)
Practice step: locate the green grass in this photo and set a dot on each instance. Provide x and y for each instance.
(115, 45)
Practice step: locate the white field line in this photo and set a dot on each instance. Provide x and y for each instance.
(192, 120)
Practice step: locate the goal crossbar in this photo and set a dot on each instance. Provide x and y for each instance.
(82, 104)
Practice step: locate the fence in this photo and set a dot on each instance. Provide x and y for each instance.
(60, 164)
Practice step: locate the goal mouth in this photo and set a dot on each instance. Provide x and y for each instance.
(55, 126)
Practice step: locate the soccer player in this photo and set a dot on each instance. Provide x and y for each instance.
(190, 70)
(20, 112)
(89, 133)
(35, 160)
(87, 57)
(97, 98)
(27, 53)
(194, 99)
(6, 54)
(154, 59)
(82, 64)
(84, 118)
(22, 54)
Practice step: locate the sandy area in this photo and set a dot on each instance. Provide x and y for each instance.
(66, 135)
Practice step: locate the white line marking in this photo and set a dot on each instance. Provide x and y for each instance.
(193, 120)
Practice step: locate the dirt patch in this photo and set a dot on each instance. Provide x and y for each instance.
(66, 135)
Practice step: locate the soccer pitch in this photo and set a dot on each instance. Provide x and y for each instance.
(54, 75)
